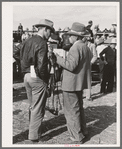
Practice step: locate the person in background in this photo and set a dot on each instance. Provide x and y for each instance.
(100, 47)
(97, 38)
(96, 30)
(109, 68)
(20, 29)
(65, 43)
(55, 39)
(112, 35)
(93, 57)
(113, 28)
(25, 36)
(74, 81)
(34, 64)
(104, 36)
(88, 27)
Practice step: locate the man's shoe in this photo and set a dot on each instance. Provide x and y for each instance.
(35, 141)
(31, 141)
(74, 141)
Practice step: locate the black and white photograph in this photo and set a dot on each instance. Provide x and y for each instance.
(60, 74)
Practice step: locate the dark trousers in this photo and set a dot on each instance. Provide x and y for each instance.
(108, 79)
(37, 94)
(74, 114)
(101, 67)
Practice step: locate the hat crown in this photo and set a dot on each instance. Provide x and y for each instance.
(46, 22)
(78, 27)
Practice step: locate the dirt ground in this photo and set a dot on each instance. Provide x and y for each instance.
(100, 116)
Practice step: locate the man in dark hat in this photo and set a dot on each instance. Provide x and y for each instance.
(34, 64)
(20, 29)
(74, 81)
(88, 27)
(100, 47)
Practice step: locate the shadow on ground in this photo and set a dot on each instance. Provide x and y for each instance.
(97, 117)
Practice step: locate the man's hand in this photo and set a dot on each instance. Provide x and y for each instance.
(50, 53)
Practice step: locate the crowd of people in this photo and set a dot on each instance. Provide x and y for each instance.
(38, 63)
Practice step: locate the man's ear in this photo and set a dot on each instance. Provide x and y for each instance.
(45, 28)
(76, 37)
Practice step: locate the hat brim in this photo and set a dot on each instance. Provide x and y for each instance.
(85, 34)
(43, 25)
(108, 41)
(99, 43)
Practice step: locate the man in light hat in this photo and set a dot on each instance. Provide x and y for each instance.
(109, 68)
(88, 27)
(113, 28)
(112, 35)
(20, 29)
(34, 64)
(74, 81)
(100, 47)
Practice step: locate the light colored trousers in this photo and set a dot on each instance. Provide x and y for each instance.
(88, 93)
(37, 95)
(74, 114)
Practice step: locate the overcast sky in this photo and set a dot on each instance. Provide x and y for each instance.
(65, 15)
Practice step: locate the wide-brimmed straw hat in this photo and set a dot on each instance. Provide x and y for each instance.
(111, 41)
(112, 35)
(45, 23)
(78, 29)
(114, 23)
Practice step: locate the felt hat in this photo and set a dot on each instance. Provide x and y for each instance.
(45, 23)
(78, 29)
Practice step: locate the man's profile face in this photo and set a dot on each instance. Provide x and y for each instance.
(47, 33)
(113, 45)
(73, 39)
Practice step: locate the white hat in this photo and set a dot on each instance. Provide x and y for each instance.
(114, 40)
(114, 23)
(112, 35)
